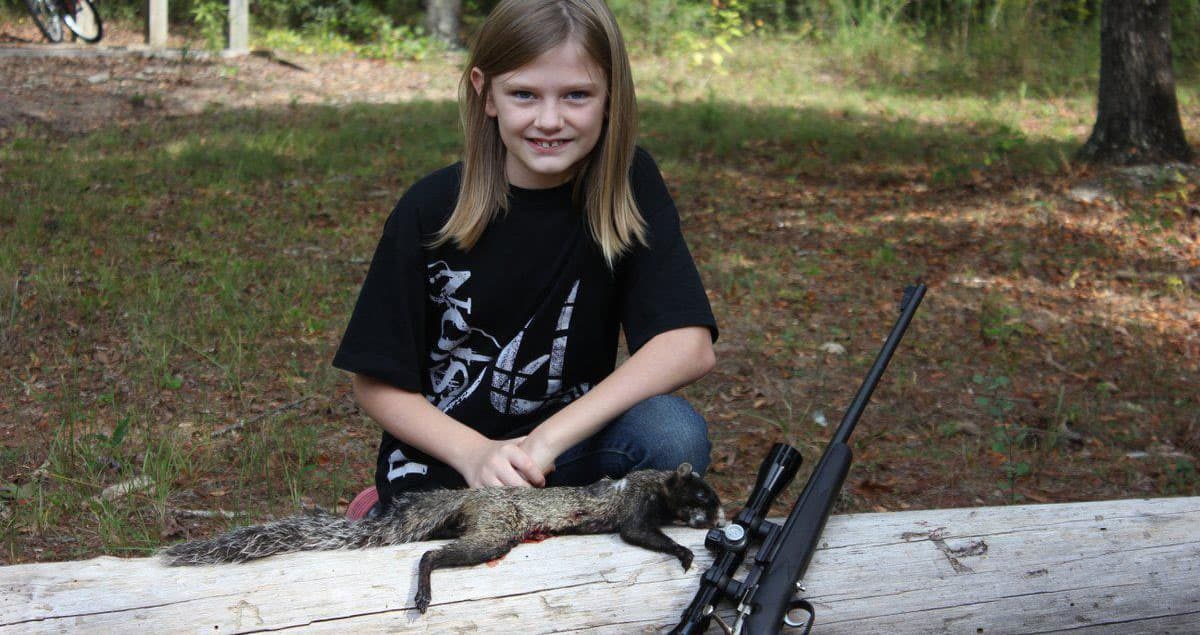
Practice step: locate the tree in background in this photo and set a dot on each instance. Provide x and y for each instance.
(1137, 118)
(443, 20)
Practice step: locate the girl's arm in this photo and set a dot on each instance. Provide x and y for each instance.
(409, 417)
(668, 361)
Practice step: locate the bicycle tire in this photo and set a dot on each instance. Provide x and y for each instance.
(47, 18)
(77, 23)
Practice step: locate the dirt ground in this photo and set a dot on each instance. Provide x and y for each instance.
(1049, 280)
(79, 87)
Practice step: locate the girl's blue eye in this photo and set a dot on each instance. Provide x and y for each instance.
(577, 94)
(522, 94)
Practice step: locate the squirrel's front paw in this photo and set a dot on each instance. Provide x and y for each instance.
(685, 557)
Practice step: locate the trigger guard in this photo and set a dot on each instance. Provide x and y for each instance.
(803, 605)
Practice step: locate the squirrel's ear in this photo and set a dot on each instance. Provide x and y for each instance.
(684, 469)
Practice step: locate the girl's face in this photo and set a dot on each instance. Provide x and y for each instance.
(550, 113)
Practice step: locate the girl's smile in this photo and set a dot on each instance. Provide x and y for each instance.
(547, 145)
(550, 114)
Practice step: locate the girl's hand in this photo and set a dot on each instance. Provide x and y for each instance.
(542, 455)
(498, 463)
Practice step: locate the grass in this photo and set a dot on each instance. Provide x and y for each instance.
(193, 281)
(185, 276)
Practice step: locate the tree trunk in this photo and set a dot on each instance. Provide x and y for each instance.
(1137, 118)
(443, 20)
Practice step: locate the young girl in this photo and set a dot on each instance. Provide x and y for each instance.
(484, 338)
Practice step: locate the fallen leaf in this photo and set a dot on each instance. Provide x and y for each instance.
(113, 492)
(171, 528)
(833, 348)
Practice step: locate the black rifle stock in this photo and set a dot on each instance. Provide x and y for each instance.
(768, 593)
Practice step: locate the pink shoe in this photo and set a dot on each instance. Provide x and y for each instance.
(362, 504)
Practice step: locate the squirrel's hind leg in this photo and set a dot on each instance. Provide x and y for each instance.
(471, 549)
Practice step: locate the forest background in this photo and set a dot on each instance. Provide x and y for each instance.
(173, 281)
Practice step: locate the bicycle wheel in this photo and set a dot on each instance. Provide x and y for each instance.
(85, 22)
(46, 16)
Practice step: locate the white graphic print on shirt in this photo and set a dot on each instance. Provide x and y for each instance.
(400, 466)
(456, 367)
(463, 355)
(506, 382)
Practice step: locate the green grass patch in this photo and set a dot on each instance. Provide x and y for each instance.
(162, 282)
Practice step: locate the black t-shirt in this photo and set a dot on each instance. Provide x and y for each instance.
(502, 336)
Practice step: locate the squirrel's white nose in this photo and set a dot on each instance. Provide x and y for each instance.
(701, 518)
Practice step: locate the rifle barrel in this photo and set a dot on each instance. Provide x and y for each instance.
(908, 307)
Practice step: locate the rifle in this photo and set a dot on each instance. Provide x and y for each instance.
(766, 597)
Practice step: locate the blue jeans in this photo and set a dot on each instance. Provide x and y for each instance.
(656, 434)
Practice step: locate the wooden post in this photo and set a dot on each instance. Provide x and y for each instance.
(156, 23)
(239, 27)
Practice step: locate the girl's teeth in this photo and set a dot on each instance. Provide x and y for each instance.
(549, 144)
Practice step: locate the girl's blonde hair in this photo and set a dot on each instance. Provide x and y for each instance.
(514, 34)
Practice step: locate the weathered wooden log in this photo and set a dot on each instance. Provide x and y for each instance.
(1106, 567)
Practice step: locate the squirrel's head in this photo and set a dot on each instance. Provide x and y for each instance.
(691, 500)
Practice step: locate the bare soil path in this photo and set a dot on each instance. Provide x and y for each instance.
(78, 88)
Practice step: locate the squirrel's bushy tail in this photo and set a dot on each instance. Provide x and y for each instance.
(312, 532)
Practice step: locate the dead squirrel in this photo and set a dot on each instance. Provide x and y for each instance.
(487, 522)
